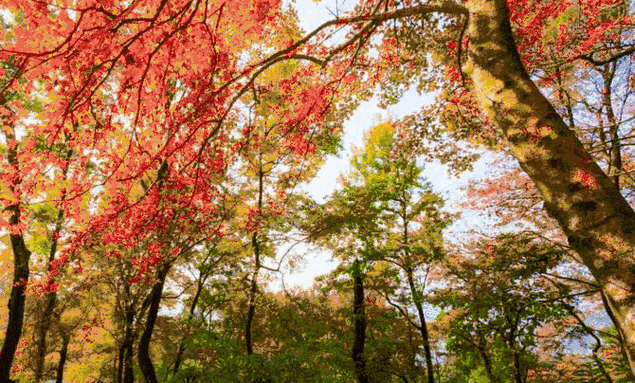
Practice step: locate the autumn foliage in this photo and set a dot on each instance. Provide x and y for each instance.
(155, 154)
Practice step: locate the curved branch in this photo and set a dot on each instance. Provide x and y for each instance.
(589, 58)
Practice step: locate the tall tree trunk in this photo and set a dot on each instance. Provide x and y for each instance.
(17, 300)
(21, 256)
(416, 298)
(254, 279)
(128, 371)
(416, 295)
(181, 349)
(482, 348)
(252, 296)
(63, 354)
(518, 374)
(145, 362)
(599, 223)
(359, 320)
(42, 330)
(124, 370)
(49, 301)
(199, 289)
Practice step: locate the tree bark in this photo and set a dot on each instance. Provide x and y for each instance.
(124, 371)
(252, 296)
(21, 256)
(145, 362)
(45, 325)
(182, 346)
(254, 279)
(482, 348)
(416, 298)
(359, 319)
(17, 300)
(49, 301)
(517, 367)
(63, 354)
(51, 296)
(416, 295)
(597, 220)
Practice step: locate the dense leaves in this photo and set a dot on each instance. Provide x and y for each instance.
(153, 159)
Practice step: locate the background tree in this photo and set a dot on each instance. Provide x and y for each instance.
(385, 213)
(153, 99)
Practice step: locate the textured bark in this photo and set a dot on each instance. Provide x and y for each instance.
(124, 369)
(63, 354)
(423, 328)
(42, 331)
(599, 223)
(482, 349)
(182, 345)
(49, 301)
(254, 279)
(17, 300)
(145, 362)
(359, 319)
(21, 256)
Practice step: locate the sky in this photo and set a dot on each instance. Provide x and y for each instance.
(311, 15)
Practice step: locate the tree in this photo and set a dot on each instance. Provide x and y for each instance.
(409, 214)
(594, 216)
(385, 213)
(21, 254)
(100, 62)
(589, 208)
(499, 327)
(195, 163)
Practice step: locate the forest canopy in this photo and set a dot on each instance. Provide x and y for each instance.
(154, 162)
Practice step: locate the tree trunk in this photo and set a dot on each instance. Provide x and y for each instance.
(45, 324)
(359, 319)
(21, 256)
(124, 370)
(518, 373)
(119, 364)
(63, 354)
(252, 296)
(254, 279)
(50, 300)
(145, 362)
(181, 349)
(124, 360)
(199, 290)
(416, 298)
(482, 348)
(416, 295)
(17, 300)
(154, 299)
(597, 220)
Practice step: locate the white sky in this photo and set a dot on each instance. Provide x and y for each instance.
(311, 15)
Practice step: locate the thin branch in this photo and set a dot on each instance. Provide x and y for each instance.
(589, 58)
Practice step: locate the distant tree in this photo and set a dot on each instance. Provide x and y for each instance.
(496, 301)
